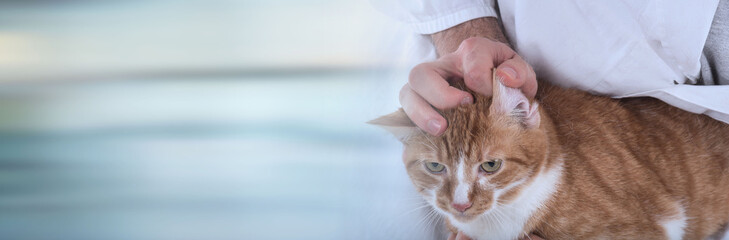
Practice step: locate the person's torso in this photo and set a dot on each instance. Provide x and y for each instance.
(615, 48)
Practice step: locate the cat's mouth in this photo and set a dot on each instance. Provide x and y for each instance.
(469, 215)
(464, 216)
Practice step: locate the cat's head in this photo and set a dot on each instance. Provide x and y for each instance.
(491, 149)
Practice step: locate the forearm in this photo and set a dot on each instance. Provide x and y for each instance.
(447, 41)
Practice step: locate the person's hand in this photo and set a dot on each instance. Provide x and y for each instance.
(458, 236)
(473, 60)
(461, 236)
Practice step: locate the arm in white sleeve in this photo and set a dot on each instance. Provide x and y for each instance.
(431, 16)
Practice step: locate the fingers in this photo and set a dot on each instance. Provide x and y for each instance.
(429, 81)
(420, 112)
(462, 236)
(477, 62)
(517, 73)
(479, 56)
(452, 236)
(428, 86)
(473, 61)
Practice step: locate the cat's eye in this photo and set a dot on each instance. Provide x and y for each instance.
(435, 167)
(491, 166)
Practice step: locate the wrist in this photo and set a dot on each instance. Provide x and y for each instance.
(447, 41)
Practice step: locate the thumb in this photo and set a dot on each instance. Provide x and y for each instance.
(516, 73)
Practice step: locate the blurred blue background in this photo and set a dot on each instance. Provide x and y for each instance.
(192, 119)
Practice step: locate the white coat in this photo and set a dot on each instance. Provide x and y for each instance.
(616, 48)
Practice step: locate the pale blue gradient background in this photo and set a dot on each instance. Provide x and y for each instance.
(183, 119)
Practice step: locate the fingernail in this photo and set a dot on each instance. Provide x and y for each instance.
(508, 72)
(466, 100)
(433, 126)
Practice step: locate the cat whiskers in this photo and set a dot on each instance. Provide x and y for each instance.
(432, 213)
(410, 198)
(431, 144)
(419, 204)
(498, 215)
(413, 210)
(434, 220)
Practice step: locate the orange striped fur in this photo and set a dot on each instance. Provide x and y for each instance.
(621, 169)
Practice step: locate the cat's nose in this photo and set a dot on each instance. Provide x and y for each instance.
(461, 207)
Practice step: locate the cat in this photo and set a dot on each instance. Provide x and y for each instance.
(570, 165)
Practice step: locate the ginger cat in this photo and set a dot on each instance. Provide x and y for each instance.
(570, 165)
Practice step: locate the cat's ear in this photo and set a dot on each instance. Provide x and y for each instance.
(511, 101)
(398, 123)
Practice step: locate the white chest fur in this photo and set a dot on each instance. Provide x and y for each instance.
(506, 222)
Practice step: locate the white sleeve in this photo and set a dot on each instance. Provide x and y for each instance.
(431, 16)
